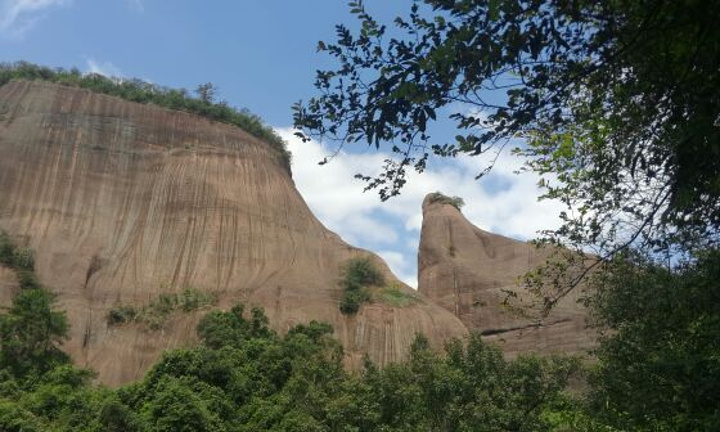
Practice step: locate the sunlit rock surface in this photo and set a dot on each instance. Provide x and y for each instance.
(469, 271)
(123, 202)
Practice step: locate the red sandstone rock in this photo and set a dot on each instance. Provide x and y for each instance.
(123, 202)
(467, 271)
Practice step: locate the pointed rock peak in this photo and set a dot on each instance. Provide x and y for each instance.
(470, 272)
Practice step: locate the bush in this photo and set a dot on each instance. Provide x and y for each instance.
(352, 299)
(360, 272)
(454, 201)
(190, 299)
(28, 280)
(121, 315)
(155, 313)
(358, 275)
(7, 250)
(24, 259)
(21, 260)
(13, 257)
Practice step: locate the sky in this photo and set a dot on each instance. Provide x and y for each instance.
(261, 54)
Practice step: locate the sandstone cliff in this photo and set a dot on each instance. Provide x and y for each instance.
(123, 202)
(467, 271)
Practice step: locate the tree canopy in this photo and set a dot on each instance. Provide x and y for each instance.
(659, 356)
(616, 102)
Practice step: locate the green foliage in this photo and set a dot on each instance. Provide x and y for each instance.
(219, 328)
(114, 416)
(394, 296)
(24, 259)
(135, 90)
(245, 377)
(352, 300)
(206, 92)
(470, 388)
(161, 308)
(616, 101)
(454, 201)
(659, 359)
(7, 250)
(358, 275)
(13, 257)
(30, 332)
(176, 407)
(28, 280)
(121, 315)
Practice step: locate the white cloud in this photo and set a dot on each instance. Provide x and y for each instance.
(19, 16)
(103, 68)
(502, 202)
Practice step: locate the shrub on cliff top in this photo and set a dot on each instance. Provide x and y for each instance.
(455, 201)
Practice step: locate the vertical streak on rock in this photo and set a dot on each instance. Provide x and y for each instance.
(169, 199)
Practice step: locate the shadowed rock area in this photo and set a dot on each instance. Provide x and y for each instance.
(122, 202)
(467, 271)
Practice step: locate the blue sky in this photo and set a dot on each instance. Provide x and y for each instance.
(261, 55)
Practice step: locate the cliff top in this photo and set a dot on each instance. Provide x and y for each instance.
(136, 90)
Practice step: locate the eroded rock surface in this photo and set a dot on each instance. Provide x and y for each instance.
(123, 202)
(468, 271)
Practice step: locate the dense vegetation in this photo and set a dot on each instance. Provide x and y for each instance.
(139, 91)
(659, 359)
(30, 330)
(657, 370)
(244, 377)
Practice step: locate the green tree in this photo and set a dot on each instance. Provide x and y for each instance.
(659, 360)
(358, 275)
(31, 332)
(207, 92)
(616, 101)
(175, 407)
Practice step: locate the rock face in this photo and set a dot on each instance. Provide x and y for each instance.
(467, 271)
(122, 202)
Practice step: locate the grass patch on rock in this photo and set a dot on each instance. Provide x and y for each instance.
(395, 296)
(156, 313)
